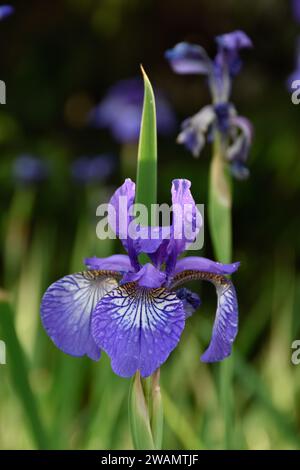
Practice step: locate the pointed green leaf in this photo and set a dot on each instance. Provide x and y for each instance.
(146, 190)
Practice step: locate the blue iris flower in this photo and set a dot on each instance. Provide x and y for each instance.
(5, 11)
(28, 170)
(121, 111)
(92, 169)
(137, 313)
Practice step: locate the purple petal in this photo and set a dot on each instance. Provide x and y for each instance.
(194, 130)
(119, 209)
(237, 152)
(147, 276)
(234, 41)
(138, 327)
(187, 58)
(196, 263)
(191, 301)
(187, 219)
(119, 263)
(295, 75)
(6, 10)
(296, 10)
(66, 311)
(186, 223)
(135, 238)
(228, 57)
(226, 323)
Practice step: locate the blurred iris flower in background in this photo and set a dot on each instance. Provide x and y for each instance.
(135, 313)
(121, 111)
(28, 170)
(5, 11)
(221, 116)
(93, 169)
(295, 75)
(296, 10)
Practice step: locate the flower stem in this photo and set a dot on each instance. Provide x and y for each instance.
(220, 202)
(219, 212)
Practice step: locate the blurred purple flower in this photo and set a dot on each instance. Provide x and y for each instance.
(92, 169)
(121, 111)
(28, 169)
(296, 10)
(221, 116)
(135, 313)
(295, 75)
(5, 11)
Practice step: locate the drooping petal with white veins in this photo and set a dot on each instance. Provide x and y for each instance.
(66, 310)
(226, 324)
(138, 327)
(226, 321)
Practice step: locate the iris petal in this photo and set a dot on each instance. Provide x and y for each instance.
(204, 264)
(67, 307)
(226, 321)
(138, 327)
(114, 263)
(187, 58)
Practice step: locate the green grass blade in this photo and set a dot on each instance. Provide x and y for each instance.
(16, 362)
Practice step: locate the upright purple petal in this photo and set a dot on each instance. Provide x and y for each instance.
(234, 41)
(136, 239)
(187, 58)
(119, 209)
(187, 219)
(138, 327)
(229, 45)
(67, 307)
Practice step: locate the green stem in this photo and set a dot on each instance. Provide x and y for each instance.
(220, 203)
(219, 212)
